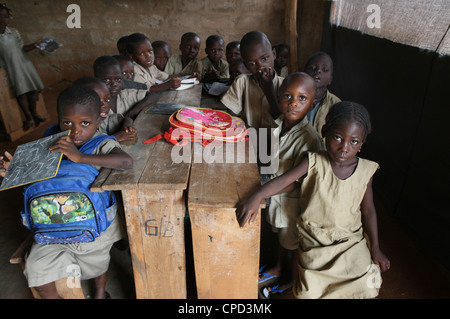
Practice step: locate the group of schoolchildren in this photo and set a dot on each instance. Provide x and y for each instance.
(321, 203)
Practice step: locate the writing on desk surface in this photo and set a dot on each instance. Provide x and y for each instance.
(160, 227)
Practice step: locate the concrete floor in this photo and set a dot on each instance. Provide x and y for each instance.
(413, 274)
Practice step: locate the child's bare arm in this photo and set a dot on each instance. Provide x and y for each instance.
(172, 83)
(370, 225)
(116, 159)
(247, 209)
(265, 77)
(149, 98)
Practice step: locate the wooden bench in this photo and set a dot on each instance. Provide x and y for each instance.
(18, 257)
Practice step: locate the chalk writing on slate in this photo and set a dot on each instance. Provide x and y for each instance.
(33, 162)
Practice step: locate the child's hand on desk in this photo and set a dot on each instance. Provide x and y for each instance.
(127, 134)
(4, 165)
(248, 209)
(67, 147)
(174, 82)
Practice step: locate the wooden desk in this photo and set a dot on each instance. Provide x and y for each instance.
(153, 193)
(226, 256)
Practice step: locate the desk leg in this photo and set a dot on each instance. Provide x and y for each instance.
(226, 257)
(155, 226)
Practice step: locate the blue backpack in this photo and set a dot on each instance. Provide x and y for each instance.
(62, 209)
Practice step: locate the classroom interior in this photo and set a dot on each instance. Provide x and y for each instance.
(398, 70)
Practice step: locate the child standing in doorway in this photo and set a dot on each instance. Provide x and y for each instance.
(337, 208)
(23, 76)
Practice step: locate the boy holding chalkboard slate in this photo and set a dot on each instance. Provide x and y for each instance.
(78, 111)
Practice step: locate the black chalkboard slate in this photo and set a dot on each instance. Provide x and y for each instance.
(164, 108)
(33, 162)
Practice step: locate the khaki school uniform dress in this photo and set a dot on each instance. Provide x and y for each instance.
(149, 78)
(334, 260)
(323, 107)
(22, 74)
(284, 209)
(126, 99)
(175, 67)
(48, 263)
(222, 69)
(246, 99)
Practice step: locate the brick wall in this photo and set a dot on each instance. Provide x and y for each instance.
(103, 22)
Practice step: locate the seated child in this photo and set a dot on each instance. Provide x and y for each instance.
(236, 68)
(296, 137)
(186, 63)
(125, 103)
(320, 67)
(105, 104)
(127, 68)
(233, 51)
(253, 96)
(282, 59)
(336, 212)
(140, 51)
(161, 50)
(78, 109)
(213, 66)
(121, 46)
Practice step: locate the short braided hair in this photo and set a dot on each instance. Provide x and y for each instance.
(344, 111)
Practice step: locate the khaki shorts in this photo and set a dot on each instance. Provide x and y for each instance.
(48, 263)
(287, 236)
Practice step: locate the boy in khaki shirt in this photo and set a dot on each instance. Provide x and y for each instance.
(253, 96)
(186, 63)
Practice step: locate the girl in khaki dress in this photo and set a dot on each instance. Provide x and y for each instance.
(336, 201)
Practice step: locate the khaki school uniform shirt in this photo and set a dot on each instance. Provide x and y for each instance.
(327, 102)
(294, 145)
(223, 68)
(149, 78)
(246, 99)
(175, 67)
(126, 99)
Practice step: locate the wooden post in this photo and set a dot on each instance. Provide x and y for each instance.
(290, 26)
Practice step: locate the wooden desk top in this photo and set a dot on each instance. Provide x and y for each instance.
(212, 183)
(222, 184)
(153, 167)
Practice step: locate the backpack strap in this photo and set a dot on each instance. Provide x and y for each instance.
(92, 144)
